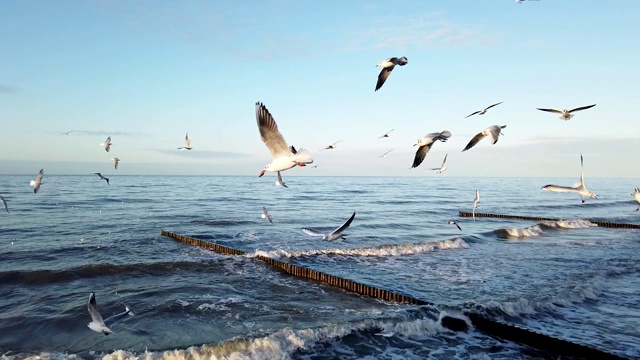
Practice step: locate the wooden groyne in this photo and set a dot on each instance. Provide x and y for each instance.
(479, 321)
(603, 224)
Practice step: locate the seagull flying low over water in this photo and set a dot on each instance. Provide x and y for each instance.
(425, 143)
(67, 133)
(187, 143)
(280, 182)
(107, 144)
(494, 131)
(265, 214)
(284, 158)
(335, 234)
(476, 200)
(386, 135)
(451, 222)
(636, 195)
(483, 111)
(387, 66)
(577, 188)
(331, 146)
(115, 162)
(7, 208)
(99, 325)
(566, 114)
(102, 177)
(37, 182)
(442, 167)
(385, 154)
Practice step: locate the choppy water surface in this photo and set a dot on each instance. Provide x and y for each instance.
(568, 279)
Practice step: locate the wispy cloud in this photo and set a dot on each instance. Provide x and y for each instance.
(203, 154)
(9, 89)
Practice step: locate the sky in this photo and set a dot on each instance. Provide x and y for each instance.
(147, 72)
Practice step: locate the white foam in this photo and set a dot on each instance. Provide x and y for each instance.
(569, 224)
(531, 231)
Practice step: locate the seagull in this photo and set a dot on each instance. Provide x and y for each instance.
(67, 133)
(476, 200)
(331, 146)
(107, 144)
(7, 208)
(283, 156)
(494, 131)
(451, 222)
(115, 162)
(425, 143)
(442, 167)
(187, 143)
(481, 112)
(265, 214)
(566, 114)
(102, 177)
(335, 234)
(636, 195)
(280, 182)
(99, 325)
(37, 182)
(387, 66)
(385, 154)
(386, 135)
(578, 188)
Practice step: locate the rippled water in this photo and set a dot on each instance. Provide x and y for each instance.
(76, 236)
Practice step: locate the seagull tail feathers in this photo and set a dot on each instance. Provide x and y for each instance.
(303, 156)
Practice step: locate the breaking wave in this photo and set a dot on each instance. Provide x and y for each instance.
(540, 228)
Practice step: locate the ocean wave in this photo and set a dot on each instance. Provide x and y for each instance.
(384, 250)
(541, 227)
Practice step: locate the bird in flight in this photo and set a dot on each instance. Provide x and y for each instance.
(386, 135)
(493, 131)
(187, 143)
(102, 177)
(387, 66)
(331, 146)
(385, 154)
(476, 200)
(483, 111)
(636, 195)
(451, 222)
(37, 182)
(265, 214)
(567, 114)
(280, 182)
(7, 208)
(335, 234)
(107, 144)
(442, 167)
(425, 143)
(579, 188)
(99, 325)
(115, 162)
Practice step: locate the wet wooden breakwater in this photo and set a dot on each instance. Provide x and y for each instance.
(603, 224)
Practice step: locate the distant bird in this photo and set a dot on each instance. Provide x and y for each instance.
(385, 154)
(521, 1)
(425, 143)
(99, 325)
(67, 133)
(331, 146)
(7, 208)
(566, 114)
(37, 182)
(386, 135)
(102, 177)
(636, 195)
(451, 222)
(107, 144)
(442, 167)
(387, 66)
(494, 131)
(579, 188)
(283, 157)
(483, 111)
(187, 143)
(115, 162)
(280, 182)
(265, 214)
(335, 234)
(476, 200)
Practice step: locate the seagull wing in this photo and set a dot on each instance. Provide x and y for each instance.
(115, 318)
(581, 171)
(551, 110)
(187, 141)
(269, 132)
(311, 232)
(5, 203)
(382, 77)
(494, 131)
(40, 175)
(444, 162)
(582, 108)
(477, 112)
(266, 214)
(458, 226)
(496, 104)
(475, 140)
(92, 305)
(557, 188)
(345, 225)
(421, 153)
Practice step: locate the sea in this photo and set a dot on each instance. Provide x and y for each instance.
(568, 279)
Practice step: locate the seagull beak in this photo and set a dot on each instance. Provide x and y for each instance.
(261, 173)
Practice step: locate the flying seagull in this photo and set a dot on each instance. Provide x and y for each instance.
(483, 111)
(636, 195)
(425, 143)
(280, 182)
(385, 154)
(107, 144)
(387, 66)
(331, 146)
(494, 131)
(577, 188)
(283, 156)
(67, 133)
(99, 325)
(335, 234)
(566, 114)
(187, 143)
(451, 222)
(115, 162)
(476, 200)
(442, 167)
(37, 182)
(386, 135)
(7, 208)
(265, 214)
(102, 177)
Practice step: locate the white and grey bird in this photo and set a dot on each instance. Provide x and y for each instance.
(5, 203)
(442, 167)
(483, 111)
(107, 144)
(280, 182)
(187, 143)
(265, 214)
(101, 177)
(579, 188)
(67, 133)
(386, 135)
(476, 200)
(493, 131)
(37, 182)
(385, 154)
(115, 162)
(387, 66)
(566, 114)
(636, 195)
(331, 146)
(99, 325)
(451, 222)
(284, 158)
(425, 143)
(335, 234)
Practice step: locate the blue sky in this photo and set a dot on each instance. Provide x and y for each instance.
(147, 72)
